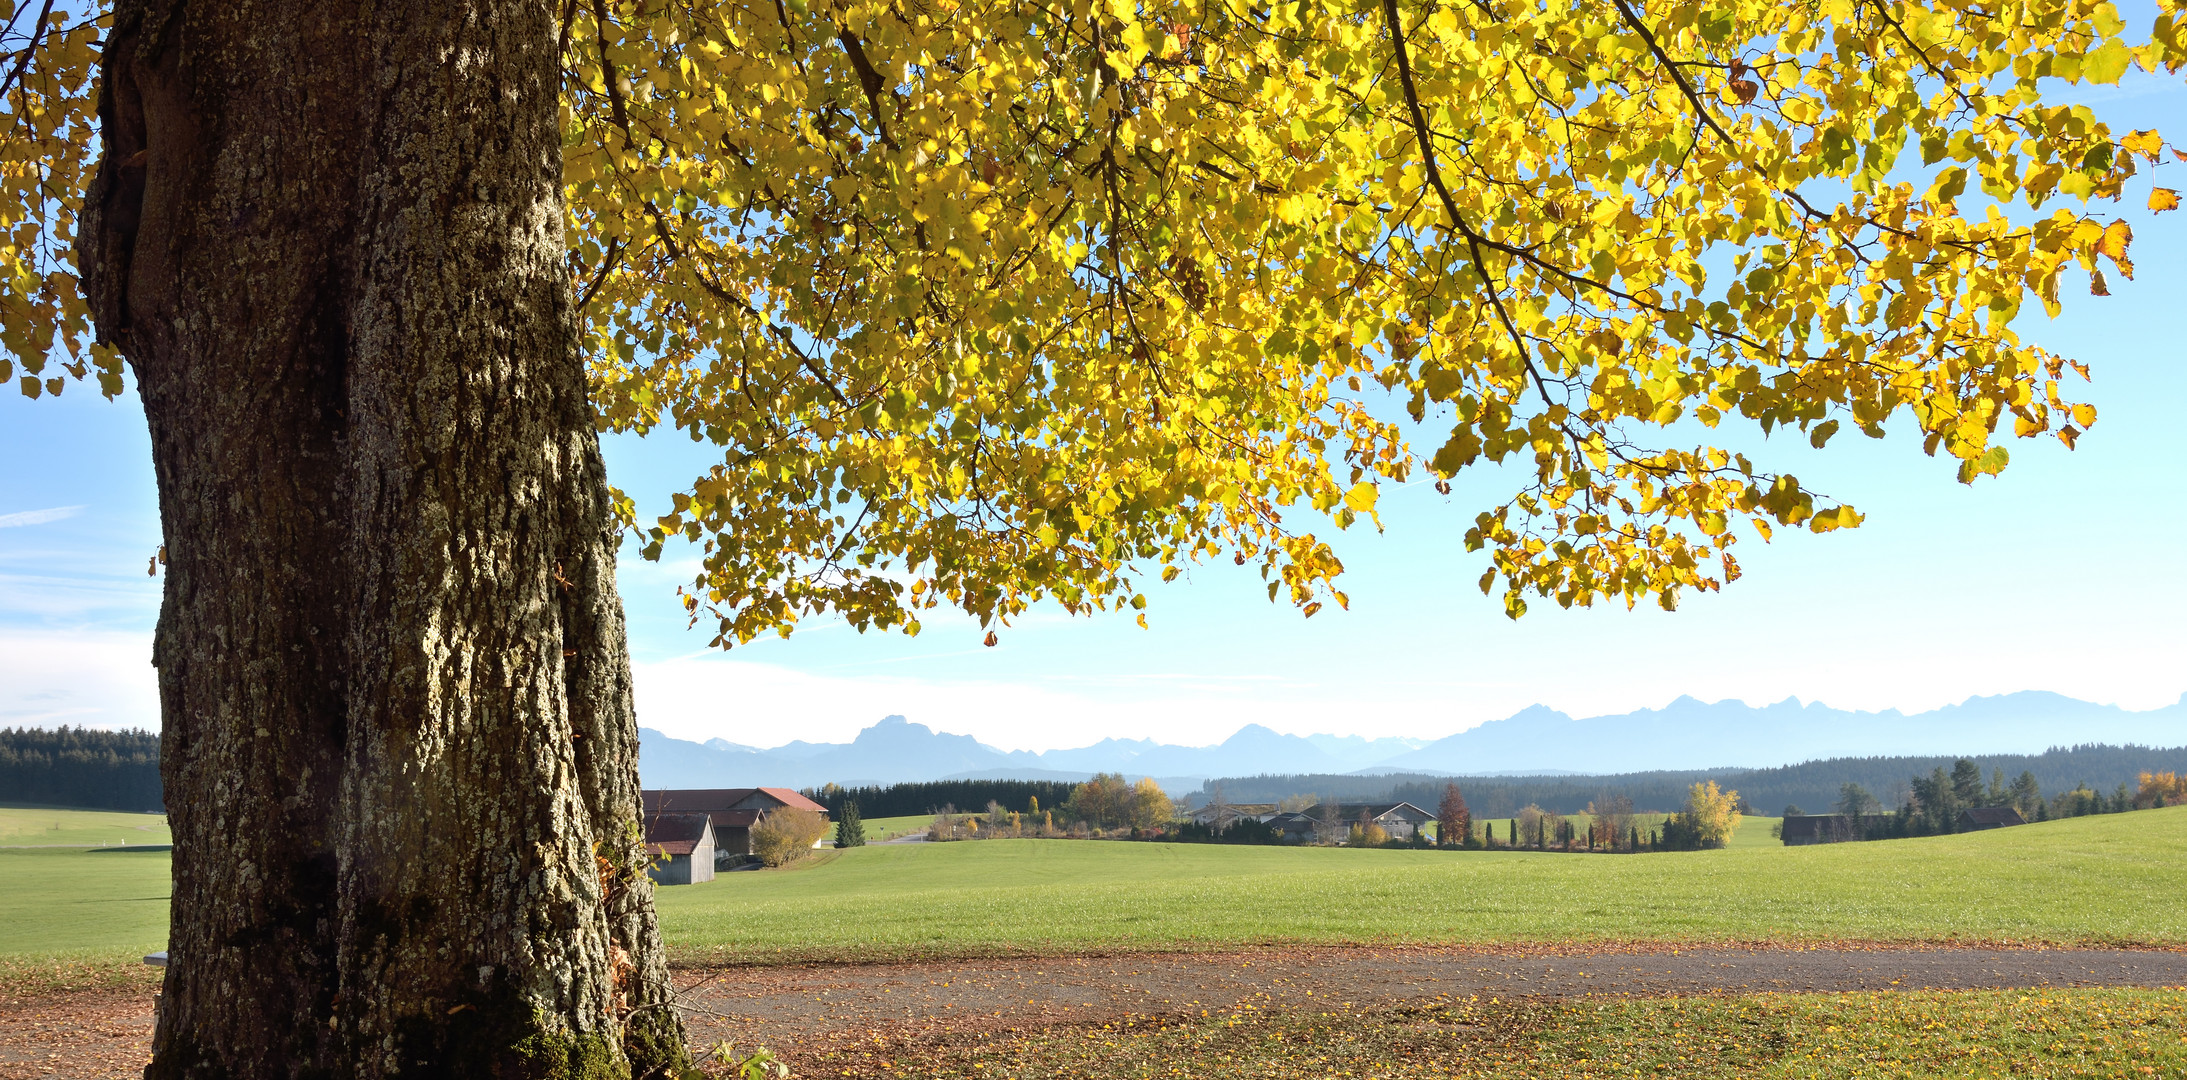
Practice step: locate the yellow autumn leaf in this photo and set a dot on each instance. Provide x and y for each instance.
(961, 308)
(2117, 236)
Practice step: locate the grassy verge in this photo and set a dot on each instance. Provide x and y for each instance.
(2110, 1034)
(24, 825)
(2114, 878)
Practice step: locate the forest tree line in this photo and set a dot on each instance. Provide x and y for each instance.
(1812, 784)
(80, 767)
(904, 800)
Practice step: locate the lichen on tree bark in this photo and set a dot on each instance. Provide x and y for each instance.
(394, 687)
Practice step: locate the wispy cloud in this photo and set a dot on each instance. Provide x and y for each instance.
(38, 517)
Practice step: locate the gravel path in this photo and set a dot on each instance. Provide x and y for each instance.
(784, 1007)
(98, 1034)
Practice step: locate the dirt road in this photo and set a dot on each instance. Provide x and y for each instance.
(807, 1009)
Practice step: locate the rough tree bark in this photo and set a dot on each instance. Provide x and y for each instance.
(399, 751)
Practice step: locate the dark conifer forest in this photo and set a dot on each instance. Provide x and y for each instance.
(80, 767)
(966, 796)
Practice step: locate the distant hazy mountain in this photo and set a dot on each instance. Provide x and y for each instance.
(1689, 734)
(1686, 734)
(1358, 751)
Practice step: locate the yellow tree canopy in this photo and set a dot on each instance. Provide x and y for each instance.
(989, 303)
(1712, 813)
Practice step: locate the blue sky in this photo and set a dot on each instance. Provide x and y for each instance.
(2064, 574)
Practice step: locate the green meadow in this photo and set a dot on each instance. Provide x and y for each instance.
(23, 825)
(2114, 878)
(81, 885)
(82, 903)
(884, 828)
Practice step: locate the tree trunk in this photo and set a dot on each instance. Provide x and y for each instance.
(399, 751)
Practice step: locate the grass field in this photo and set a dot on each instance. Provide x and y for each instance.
(2114, 878)
(22, 825)
(82, 904)
(883, 828)
(2094, 1034)
(2101, 879)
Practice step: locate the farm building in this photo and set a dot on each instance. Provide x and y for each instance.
(685, 842)
(1400, 820)
(1223, 815)
(1989, 817)
(733, 811)
(1802, 829)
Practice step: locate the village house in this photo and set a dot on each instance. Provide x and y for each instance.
(682, 847)
(1331, 824)
(732, 811)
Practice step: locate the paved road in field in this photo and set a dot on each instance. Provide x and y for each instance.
(92, 1035)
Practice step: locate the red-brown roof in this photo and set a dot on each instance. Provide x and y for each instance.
(717, 801)
(793, 799)
(675, 834)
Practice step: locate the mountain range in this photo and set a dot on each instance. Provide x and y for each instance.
(1686, 734)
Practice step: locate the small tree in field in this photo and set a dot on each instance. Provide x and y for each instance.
(1453, 822)
(1711, 814)
(786, 835)
(1151, 807)
(850, 829)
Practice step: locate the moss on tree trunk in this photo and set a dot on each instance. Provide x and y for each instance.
(399, 751)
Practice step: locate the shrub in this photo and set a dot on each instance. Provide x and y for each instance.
(945, 825)
(786, 835)
(1102, 801)
(2161, 789)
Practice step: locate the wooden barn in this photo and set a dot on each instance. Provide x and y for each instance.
(683, 845)
(1804, 829)
(1989, 817)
